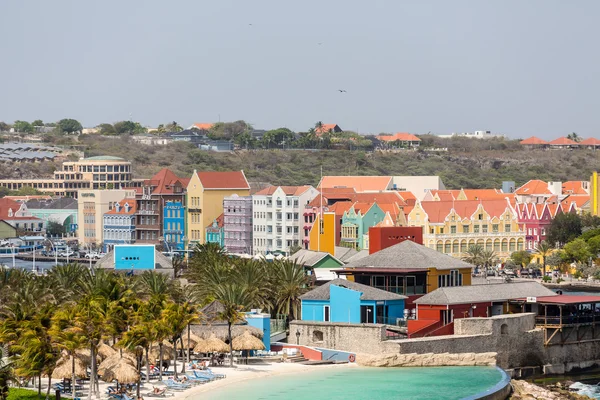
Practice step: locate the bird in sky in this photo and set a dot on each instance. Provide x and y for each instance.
(341, 91)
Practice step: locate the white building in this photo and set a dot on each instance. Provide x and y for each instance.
(277, 213)
(473, 135)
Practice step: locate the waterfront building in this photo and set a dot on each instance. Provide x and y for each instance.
(408, 268)
(174, 224)
(356, 223)
(151, 199)
(276, 217)
(62, 210)
(19, 217)
(318, 264)
(237, 224)
(535, 219)
(206, 191)
(418, 185)
(215, 232)
(101, 172)
(91, 207)
(451, 227)
(349, 302)
(436, 311)
(119, 224)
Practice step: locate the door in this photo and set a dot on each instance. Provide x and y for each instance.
(326, 313)
(366, 314)
(380, 315)
(496, 309)
(447, 316)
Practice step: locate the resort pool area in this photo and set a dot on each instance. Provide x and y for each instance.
(366, 383)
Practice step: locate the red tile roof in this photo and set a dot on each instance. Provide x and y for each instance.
(578, 200)
(132, 208)
(6, 205)
(533, 187)
(563, 141)
(288, 190)
(165, 181)
(402, 136)
(437, 211)
(533, 140)
(220, 221)
(574, 187)
(326, 128)
(203, 125)
(359, 183)
(567, 299)
(213, 180)
(590, 142)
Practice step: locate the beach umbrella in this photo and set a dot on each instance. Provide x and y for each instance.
(84, 356)
(167, 346)
(192, 342)
(114, 360)
(64, 368)
(123, 372)
(105, 351)
(213, 345)
(154, 353)
(200, 345)
(246, 341)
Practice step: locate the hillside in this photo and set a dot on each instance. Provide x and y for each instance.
(463, 165)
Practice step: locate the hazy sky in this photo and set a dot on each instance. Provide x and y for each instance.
(511, 66)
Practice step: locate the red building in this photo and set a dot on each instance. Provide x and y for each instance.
(535, 219)
(382, 237)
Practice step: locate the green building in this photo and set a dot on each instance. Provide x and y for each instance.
(356, 223)
(62, 210)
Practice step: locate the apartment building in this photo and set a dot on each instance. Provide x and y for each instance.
(174, 225)
(277, 212)
(91, 207)
(237, 225)
(119, 224)
(101, 172)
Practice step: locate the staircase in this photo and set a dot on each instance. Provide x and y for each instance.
(298, 357)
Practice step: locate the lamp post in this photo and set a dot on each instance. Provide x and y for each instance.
(55, 252)
(297, 337)
(12, 246)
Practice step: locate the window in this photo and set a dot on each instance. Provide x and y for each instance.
(453, 228)
(506, 227)
(484, 228)
(475, 228)
(442, 230)
(465, 228)
(326, 313)
(447, 248)
(495, 228)
(480, 217)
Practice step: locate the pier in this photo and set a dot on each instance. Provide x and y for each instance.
(62, 260)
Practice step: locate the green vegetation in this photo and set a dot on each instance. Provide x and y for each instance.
(45, 319)
(24, 394)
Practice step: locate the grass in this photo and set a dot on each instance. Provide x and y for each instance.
(25, 394)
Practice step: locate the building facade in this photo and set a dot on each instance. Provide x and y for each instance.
(91, 207)
(237, 224)
(174, 225)
(276, 217)
(119, 224)
(19, 217)
(356, 223)
(62, 210)
(215, 232)
(451, 227)
(205, 194)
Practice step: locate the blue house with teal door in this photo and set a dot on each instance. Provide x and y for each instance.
(174, 224)
(345, 301)
(215, 232)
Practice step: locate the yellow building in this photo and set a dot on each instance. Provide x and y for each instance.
(450, 227)
(594, 194)
(323, 235)
(205, 194)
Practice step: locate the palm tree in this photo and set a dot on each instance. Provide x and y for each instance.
(543, 249)
(488, 258)
(175, 318)
(474, 254)
(290, 282)
(6, 375)
(140, 335)
(234, 298)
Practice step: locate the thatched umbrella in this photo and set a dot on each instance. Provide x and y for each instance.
(84, 356)
(192, 342)
(221, 331)
(200, 345)
(114, 360)
(247, 342)
(64, 368)
(122, 372)
(213, 345)
(105, 351)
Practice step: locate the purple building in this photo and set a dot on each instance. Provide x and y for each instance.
(237, 212)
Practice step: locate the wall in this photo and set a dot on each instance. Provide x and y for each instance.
(7, 230)
(262, 322)
(212, 204)
(129, 257)
(328, 262)
(324, 242)
(312, 310)
(345, 304)
(384, 237)
(433, 273)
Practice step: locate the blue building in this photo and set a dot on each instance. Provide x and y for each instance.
(341, 300)
(119, 224)
(215, 232)
(174, 224)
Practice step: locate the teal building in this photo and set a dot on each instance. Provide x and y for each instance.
(62, 210)
(356, 223)
(215, 232)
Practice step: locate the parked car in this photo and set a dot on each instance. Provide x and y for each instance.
(92, 255)
(4, 242)
(66, 253)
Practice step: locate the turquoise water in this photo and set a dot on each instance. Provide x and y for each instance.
(431, 383)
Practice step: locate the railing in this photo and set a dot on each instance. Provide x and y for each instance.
(278, 324)
(473, 235)
(391, 321)
(568, 319)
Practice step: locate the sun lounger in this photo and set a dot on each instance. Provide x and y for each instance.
(160, 394)
(171, 384)
(211, 373)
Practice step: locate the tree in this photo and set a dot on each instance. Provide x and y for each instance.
(54, 228)
(173, 127)
(521, 257)
(488, 258)
(106, 129)
(175, 318)
(474, 255)
(576, 251)
(130, 127)
(574, 137)
(70, 126)
(564, 228)
(290, 282)
(23, 126)
(594, 245)
(38, 122)
(543, 249)
(278, 137)
(233, 298)
(6, 375)
(4, 127)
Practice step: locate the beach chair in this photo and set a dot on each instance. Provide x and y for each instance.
(206, 374)
(171, 384)
(160, 393)
(219, 376)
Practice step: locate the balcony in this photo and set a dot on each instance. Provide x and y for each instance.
(195, 210)
(144, 211)
(141, 227)
(472, 235)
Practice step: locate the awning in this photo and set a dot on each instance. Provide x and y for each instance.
(326, 274)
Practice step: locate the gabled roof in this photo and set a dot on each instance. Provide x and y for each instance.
(164, 182)
(202, 125)
(344, 253)
(288, 190)
(563, 141)
(401, 136)
(213, 180)
(61, 203)
(590, 142)
(368, 292)
(6, 205)
(437, 211)
(220, 221)
(359, 183)
(310, 258)
(574, 187)
(578, 200)
(484, 293)
(533, 140)
(533, 187)
(327, 128)
(408, 255)
(122, 209)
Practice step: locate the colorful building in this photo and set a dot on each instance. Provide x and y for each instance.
(174, 225)
(349, 302)
(237, 225)
(215, 232)
(535, 219)
(205, 194)
(595, 194)
(119, 224)
(382, 237)
(356, 223)
(62, 210)
(91, 207)
(18, 216)
(451, 227)
(276, 217)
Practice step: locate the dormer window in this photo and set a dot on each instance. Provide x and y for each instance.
(10, 212)
(126, 207)
(118, 207)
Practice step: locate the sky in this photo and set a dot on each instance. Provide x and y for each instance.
(515, 67)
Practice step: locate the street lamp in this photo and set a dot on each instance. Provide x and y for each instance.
(297, 337)
(55, 252)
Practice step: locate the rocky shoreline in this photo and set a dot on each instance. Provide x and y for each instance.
(523, 390)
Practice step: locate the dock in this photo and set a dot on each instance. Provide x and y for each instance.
(62, 260)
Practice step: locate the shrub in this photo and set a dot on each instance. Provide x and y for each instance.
(546, 278)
